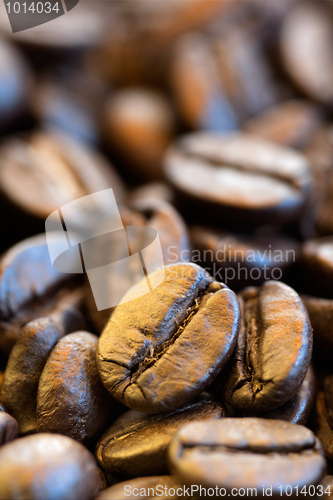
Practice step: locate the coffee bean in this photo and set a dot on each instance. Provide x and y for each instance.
(136, 443)
(47, 466)
(321, 316)
(71, 399)
(148, 487)
(139, 126)
(29, 286)
(160, 351)
(306, 38)
(43, 171)
(238, 177)
(324, 431)
(29, 355)
(317, 260)
(273, 353)
(8, 428)
(157, 190)
(292, 123)
(246, 453)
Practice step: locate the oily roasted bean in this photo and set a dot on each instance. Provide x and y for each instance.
(292, 123)
(149, 487)
(29, 355)
(241, 259)
(136, 443)
(317, 259)
(324, 430)
(44, 171)
(160, 351)
(29, 286)
(246, 453)
(306, 38)
(173, 237)
(8, 428)
(138, 125)
(71, 399)
(47, 466)
(273, 353)
(238, 177)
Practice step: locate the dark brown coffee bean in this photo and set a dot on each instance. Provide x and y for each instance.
(8, 428)
(15, 84)
(238, 177)
(273, 352)
(44, 171)
(71, 399)
(321, 316)
(198, 86)
(324, 431)
(173, 238)
(139, 126)
(160, 351)
(292, 123)
(246, 453)
(298, 409)
(29, 355)
(241, 259)
(47, 466)
(136, 444)
(29, 286)
(163, 487)
(306, 39)
(317, 260)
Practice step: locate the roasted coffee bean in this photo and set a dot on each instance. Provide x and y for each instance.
(29, 286)
(298, 409)
(273, 352)
(44, 171)
(247, 453)
(71, 399)
(164, 487)
(157, 190)
(306, 38)
(15, 84)
(324, 427)
(29, 355)
(8, 428)
(317, 260)
(173, 237)
(136, 444)
(321, 316)
(198, 87)
(292, 123)
(242, 259)
(139, 126)
(47, 466)
(238, 177)
(160, 351)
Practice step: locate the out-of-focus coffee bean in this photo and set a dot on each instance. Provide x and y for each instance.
(238, 177)
(160, 351)
(240, 259)
(29, 286)
(157, 485)
(317, 260)
(247, 453)
(44, 171)
(8, 428)
(136, 444)
(71, 399)
(321, 316)
(305, 43)
(29, 355)
(47, 466)
(15, 84)
(173, 237)
(273, 352)
(157, 190)
(324, 427)
(197, 86)
(292, 123)
(139, 127)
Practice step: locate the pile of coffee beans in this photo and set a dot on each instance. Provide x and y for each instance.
(212, 376)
